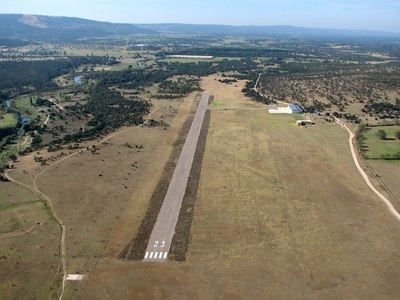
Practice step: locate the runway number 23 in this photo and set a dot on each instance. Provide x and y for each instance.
(160, 244)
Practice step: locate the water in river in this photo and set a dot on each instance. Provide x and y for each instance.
(78, 79)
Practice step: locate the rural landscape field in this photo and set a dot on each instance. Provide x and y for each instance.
(177, 161)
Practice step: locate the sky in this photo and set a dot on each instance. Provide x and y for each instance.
(383, 15)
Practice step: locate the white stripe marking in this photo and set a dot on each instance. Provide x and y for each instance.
(147, 255)
(155, 255)
(151, 254)
(75, 277)
(165, 255)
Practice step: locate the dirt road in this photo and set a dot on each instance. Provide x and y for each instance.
(164, 229)
(388, 204)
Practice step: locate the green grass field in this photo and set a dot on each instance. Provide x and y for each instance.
(28, 241)
(219, 104)
(377, 148)
(23, 104)
(8, 120)
(193, 60)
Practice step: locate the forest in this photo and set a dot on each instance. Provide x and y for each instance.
(39, 74)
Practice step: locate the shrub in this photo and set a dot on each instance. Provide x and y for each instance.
(381, 134)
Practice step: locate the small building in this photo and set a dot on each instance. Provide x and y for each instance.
(296, 108)
(293, 108)
(304, 122)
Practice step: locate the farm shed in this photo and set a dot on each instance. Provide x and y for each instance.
(293, 108)
(304, 122)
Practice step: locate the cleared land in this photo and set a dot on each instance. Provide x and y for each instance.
(386, 171)
(389, 172)
(101, 196)
(376, 147)
(8, 120)
(281, 212)
(28, 243)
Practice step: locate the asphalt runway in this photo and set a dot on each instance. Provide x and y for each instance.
(161, 237)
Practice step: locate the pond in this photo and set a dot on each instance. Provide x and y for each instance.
(8, 104)
(78, 79)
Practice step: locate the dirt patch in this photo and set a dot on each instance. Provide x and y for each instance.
(136, 249)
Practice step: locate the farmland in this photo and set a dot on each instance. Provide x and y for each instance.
(377, 148)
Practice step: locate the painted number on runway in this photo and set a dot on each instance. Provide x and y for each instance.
(160, 244)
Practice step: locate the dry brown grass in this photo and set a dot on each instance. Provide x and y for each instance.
(100, 197)
(389, 172)
(281, 213)
(28, 241)
(226, 95)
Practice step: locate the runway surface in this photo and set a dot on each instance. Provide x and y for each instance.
(164, 229)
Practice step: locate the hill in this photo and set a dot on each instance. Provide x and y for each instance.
(49, 28)
(34, 27)
(278, 30)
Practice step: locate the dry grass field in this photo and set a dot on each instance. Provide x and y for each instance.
(28, 241)
(281, 212)
(389, 172)
(99, 195)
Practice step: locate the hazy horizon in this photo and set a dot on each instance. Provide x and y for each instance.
(337, 14)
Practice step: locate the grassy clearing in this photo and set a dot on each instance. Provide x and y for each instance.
(95, 51)
(378, 148)
(105, 203)
(37, 250)
(24, 105)
(228, 96)
(6, 154)
(281, 213)
(219, 104)
(195, 60)
(8, 120)
(389, 172)
(21, 252)
(20, 216)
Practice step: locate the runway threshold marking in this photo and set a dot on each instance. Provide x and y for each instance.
(161, 237)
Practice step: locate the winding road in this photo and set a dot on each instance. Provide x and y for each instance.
(388, 204)
(59, 221)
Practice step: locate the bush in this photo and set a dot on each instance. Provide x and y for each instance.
(381, 134)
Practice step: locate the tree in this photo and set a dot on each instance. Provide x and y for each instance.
(381, 134)
(37, 139)
(397, 134)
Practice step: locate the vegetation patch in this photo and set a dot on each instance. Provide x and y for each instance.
(8, 120)
(39, 74)
(169, 89)
(380, 142)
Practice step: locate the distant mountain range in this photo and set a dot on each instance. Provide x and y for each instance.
(274, 30)
(36, 27)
